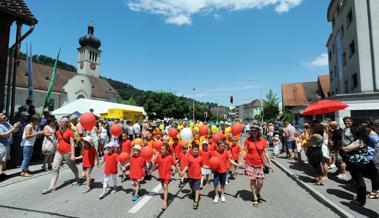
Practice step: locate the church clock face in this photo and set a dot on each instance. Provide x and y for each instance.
(81, 65)
(93, 66)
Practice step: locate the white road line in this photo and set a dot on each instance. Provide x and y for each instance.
(145, 199)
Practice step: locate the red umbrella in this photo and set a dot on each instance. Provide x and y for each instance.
(324, 107)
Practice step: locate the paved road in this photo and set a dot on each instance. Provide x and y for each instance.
(283, 197)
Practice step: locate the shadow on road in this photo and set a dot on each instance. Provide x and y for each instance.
(340, 194)
(36, 211)
(359, 209)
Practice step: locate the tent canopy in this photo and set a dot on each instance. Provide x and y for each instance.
(84, 105)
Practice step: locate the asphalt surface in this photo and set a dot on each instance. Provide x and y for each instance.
(336, 190)
(283, 197)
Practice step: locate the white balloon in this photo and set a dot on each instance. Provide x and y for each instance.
(186, 134)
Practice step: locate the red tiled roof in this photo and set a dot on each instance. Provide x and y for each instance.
(293, 95)
(324, 82)
(42, 75)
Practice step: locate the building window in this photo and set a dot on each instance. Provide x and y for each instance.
(344, 58)
(330, 55)
(346, 86)
(349, 18)
(334, 51)
(354, 80)
(352, 48)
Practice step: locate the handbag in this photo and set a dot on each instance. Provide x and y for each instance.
(266, 169)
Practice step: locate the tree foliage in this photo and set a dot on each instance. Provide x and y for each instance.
(165, 104)
(45, 60)
(271, 107)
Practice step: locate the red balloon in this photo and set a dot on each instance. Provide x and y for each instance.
(218, 136)
(214, 163)
(116, 130)
(158, 145)
(147, 153)
(236, 129)
(88, 121)
(173, 133)
(204, 130)
(123, 157)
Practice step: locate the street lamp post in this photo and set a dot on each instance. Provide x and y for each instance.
(260, 87)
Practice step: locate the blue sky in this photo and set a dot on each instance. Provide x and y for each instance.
(173, 45)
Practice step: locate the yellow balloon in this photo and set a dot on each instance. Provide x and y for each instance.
(180, 127)
(197, 129)
(228, 129)
(161, 127)
(214, 129)
(191, 124)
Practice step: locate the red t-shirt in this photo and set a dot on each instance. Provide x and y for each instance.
(212, 147)
(194, 166)
(126, 146)
(165, 166)
(89, 156)
(255, 150)
(64, 145)
(177, 149)
(206, 155)
(137, 170)
(235, 150)
(111, 161)
(182, 161)
(224, 159)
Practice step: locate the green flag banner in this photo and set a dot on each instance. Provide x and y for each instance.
(51, 85)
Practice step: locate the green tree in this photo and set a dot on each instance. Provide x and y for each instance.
(166, 104)
(270, 107)
(287, 116)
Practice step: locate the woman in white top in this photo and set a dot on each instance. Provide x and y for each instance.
(49, 142)
(28, 138)
(103, 138)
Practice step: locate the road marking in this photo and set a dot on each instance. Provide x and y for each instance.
(145, 199)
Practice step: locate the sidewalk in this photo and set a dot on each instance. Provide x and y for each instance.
(335, 193)
(13, 175)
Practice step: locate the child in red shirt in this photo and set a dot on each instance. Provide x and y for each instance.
(194, 164)
(110, 169)
(235, 150)
(220, 174)
(205, 171)
(182, 162)
(126, 145)
(89, 154)
(137, 170)
(164, 163)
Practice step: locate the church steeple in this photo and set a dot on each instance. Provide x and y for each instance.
(89, 53)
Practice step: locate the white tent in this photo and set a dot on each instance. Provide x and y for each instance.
(84, 105)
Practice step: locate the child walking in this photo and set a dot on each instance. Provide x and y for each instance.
(110, 169)
(137, 170)
(205, 171)
(182, 162)
(235, 150)
(220, 173)
(89, 154)
(164, 163)
(194, 164)
(276, 144)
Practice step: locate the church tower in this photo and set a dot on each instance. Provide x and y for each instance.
(89, 54)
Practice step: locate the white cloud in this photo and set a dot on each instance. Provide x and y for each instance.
(180, 12)
(321, 61)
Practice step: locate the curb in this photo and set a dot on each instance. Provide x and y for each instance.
(316, 194)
